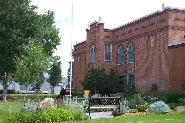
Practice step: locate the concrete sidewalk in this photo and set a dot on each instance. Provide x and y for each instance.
(99, 115)
(180, 108)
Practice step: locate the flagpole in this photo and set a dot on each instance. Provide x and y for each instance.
(71, 52)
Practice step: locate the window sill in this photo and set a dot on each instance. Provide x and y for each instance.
(120, 64)
(92, 62)
(107, 60)
(130, 63)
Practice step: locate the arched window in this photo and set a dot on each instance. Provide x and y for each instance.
(92, 53)
(108, 52)
(131, 55)
(120, 55)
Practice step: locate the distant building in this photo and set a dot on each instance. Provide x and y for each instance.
(45, 86)
(147, 52)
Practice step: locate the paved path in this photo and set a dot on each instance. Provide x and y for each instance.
(99, 115)
(180, 108)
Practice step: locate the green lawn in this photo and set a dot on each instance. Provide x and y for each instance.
(6, 108)
(10, 106)
(158, 118)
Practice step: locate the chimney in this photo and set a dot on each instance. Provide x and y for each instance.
(163, 6)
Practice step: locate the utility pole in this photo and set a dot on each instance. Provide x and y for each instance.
(71, 52)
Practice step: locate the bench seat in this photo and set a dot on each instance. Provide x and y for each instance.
(103, 106)
(104, 103)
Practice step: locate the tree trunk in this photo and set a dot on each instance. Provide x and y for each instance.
(53, 89)
(5, 86)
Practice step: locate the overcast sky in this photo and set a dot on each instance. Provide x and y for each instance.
(113, 14)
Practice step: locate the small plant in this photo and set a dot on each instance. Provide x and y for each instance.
(116, 112)
(135, 100)
(46, 116)
(181, 101)
(122, 109)
(159, 107)
(30, 106)
(142, 107)
(172, 105)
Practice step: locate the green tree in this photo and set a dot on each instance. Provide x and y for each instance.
(40, 80)
(95, 80)
(112, 82)
(55, 74)
(20, 23)
(30, 65)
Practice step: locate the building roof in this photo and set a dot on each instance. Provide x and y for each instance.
(149, 16)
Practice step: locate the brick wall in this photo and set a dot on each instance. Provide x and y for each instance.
(150, 36)
(177, 68)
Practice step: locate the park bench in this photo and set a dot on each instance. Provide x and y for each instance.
(103, 103)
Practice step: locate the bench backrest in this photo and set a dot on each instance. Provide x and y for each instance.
(104, 101)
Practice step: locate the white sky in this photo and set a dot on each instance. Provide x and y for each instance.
(113, 13)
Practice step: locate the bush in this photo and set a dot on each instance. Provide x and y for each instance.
(159, 107)
(172, 105)
(141, 108)
(9, 91)
(35, 97)
(116, 112)
(122, 109)
(167, 97)
(135, 100)
(46, 116)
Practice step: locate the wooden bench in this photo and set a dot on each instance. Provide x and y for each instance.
(103, 103)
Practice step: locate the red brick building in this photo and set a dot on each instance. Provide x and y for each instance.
(148, 51)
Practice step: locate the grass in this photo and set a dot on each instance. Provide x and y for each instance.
(6, 108)
(157, 118)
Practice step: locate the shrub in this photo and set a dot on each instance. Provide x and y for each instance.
(132, 104)
(9, 91)
(122, 109)
(116, 112)
(30, 106)
(35, 97)
(181, 101)
(159, 107)
(141, 108)
(135, 100)
(172, 105)
(167, 97)
(46, 116)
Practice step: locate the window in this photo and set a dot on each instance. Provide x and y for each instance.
(121, 84)
(22, 87)
(108, 52)
(78, 58)
(92, 53)
(131, 80)
(120, 55)
(131, 55)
